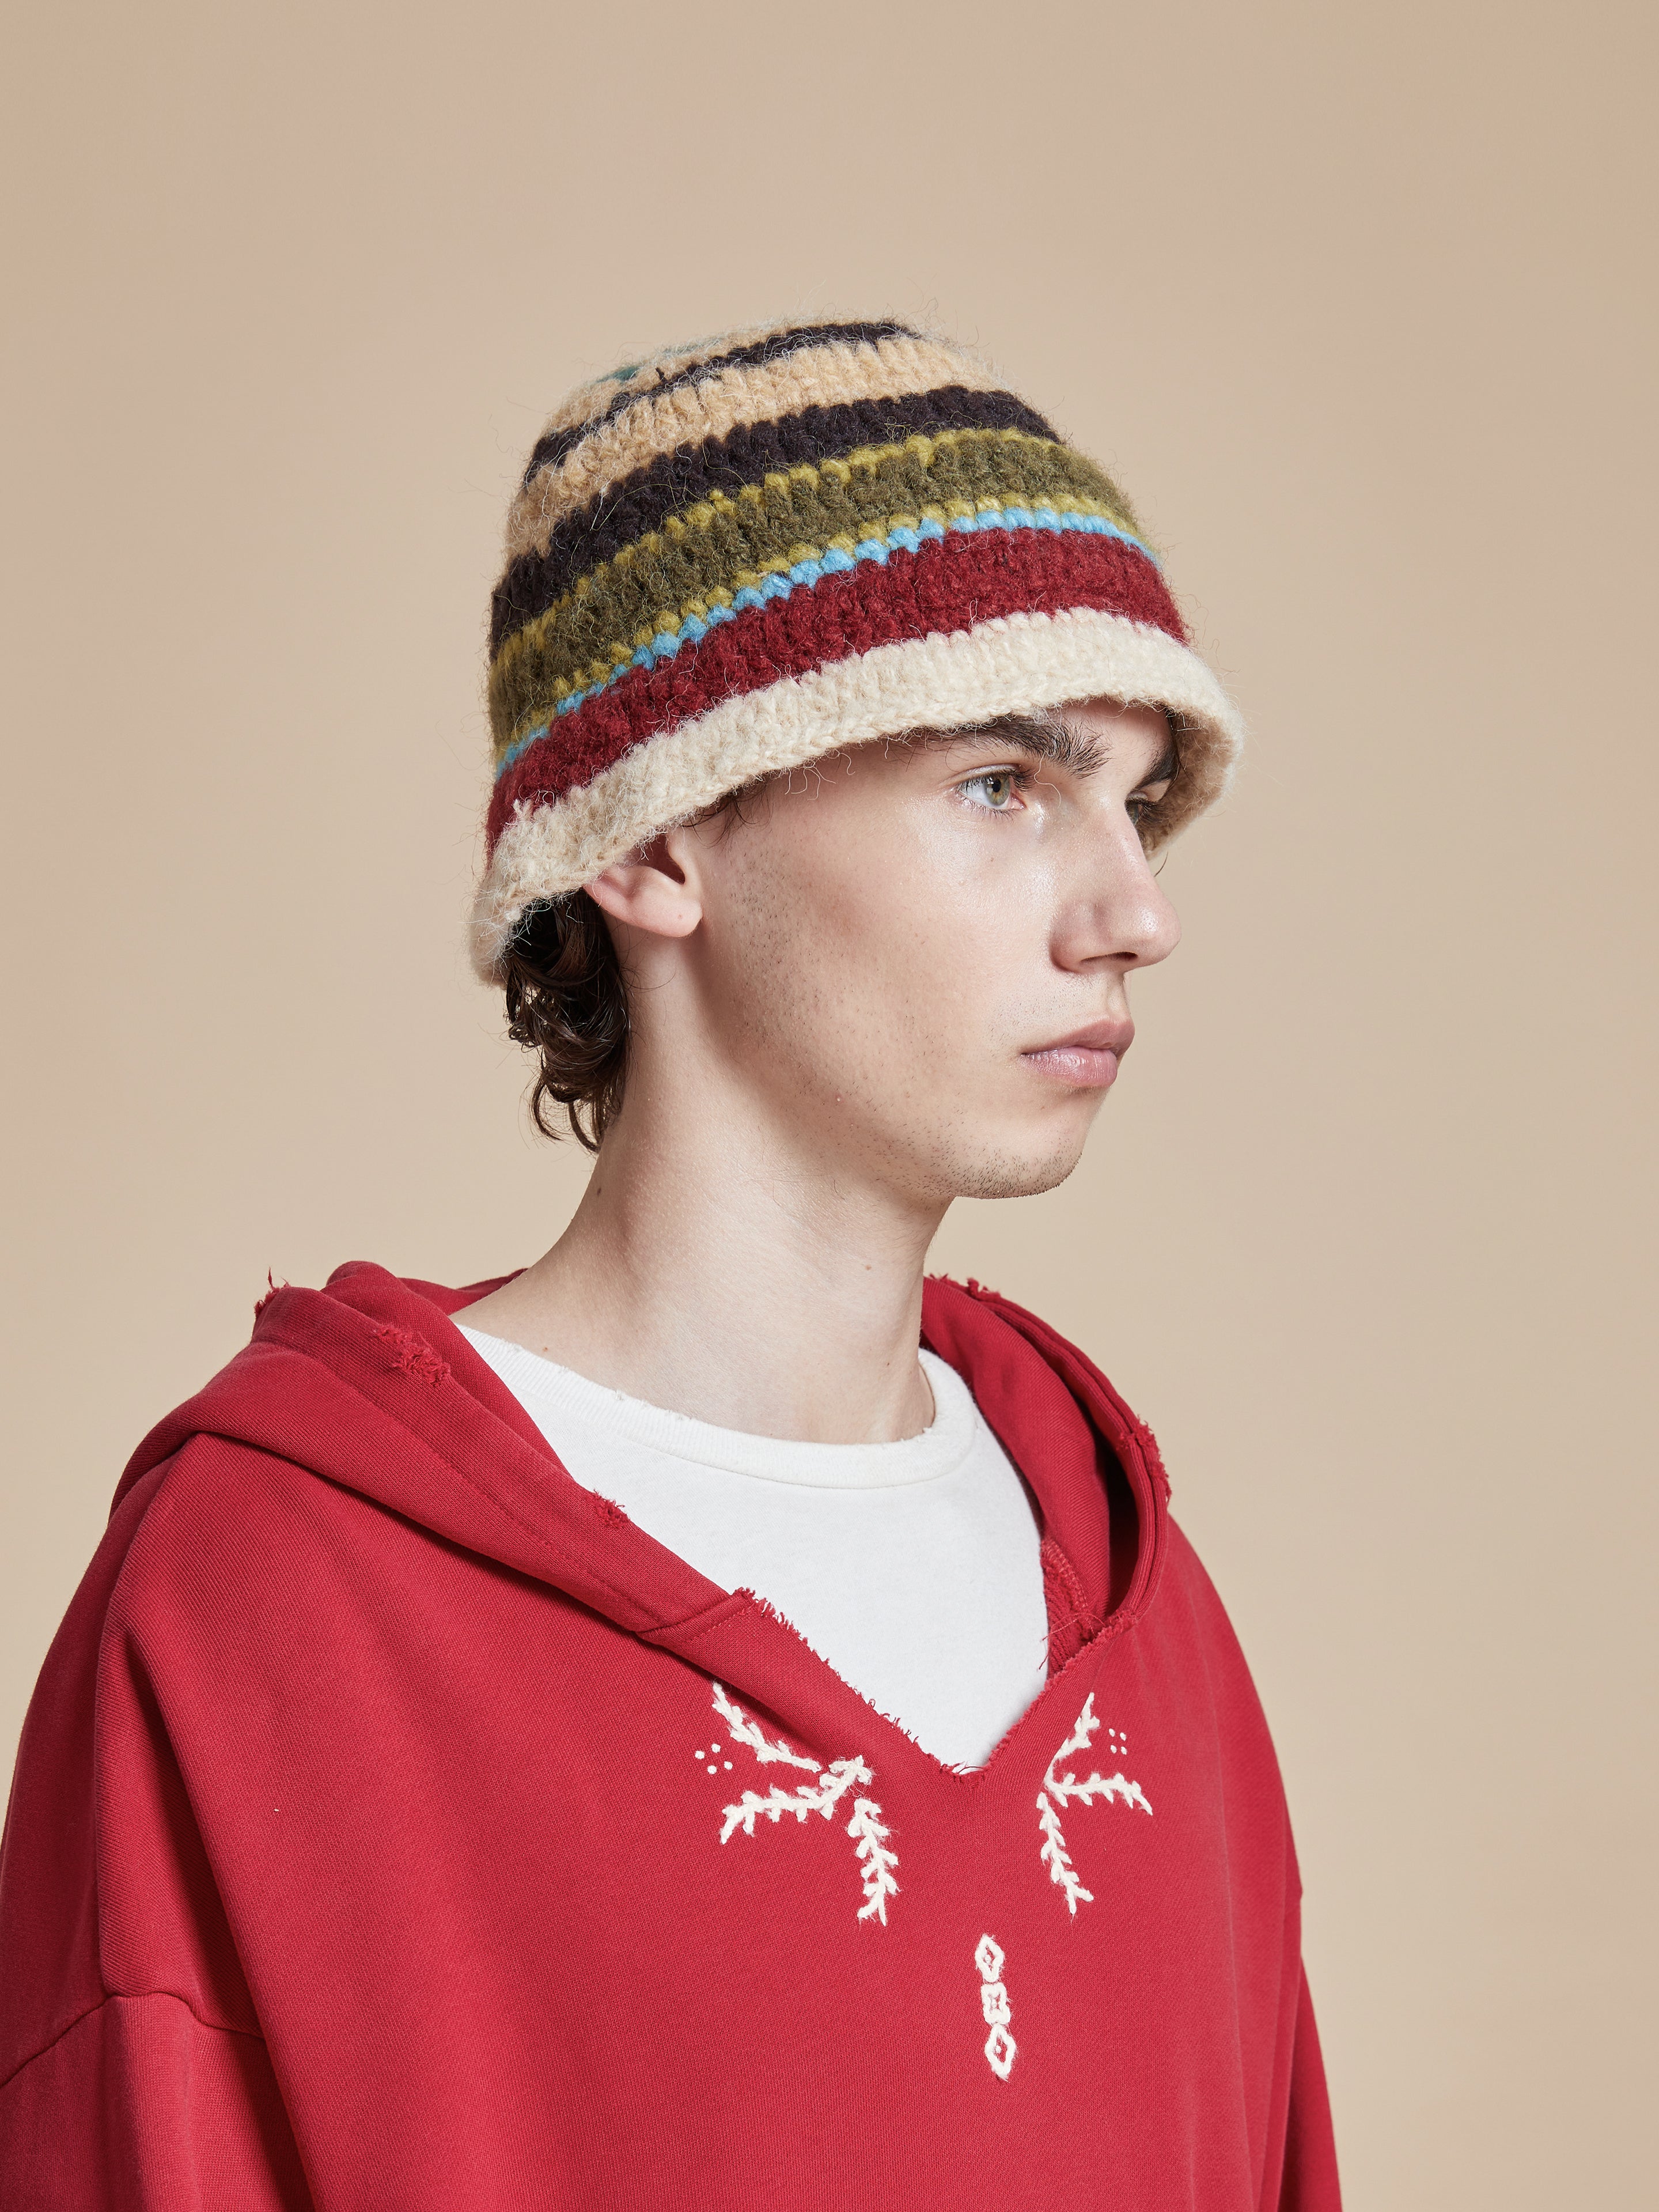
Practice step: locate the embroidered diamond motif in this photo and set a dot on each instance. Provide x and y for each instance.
(1000, 2046)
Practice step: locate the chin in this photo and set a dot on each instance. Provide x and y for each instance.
(1008, 1173)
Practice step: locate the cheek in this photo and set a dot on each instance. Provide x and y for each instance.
(811, 956)
(895, 927)
(978, 901)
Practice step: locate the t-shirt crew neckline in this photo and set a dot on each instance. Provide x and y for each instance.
(938, 1451)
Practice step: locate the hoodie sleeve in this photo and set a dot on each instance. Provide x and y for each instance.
(133, 2076)
(1308, 2182)
(141, 2105)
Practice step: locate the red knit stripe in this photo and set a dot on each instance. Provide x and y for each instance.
(950, 584)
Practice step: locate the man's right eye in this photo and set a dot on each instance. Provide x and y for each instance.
(995, 789)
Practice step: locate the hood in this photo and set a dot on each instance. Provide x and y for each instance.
(368, 1384)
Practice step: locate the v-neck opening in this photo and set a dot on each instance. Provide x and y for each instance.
(706, 1608)
(752, 1611)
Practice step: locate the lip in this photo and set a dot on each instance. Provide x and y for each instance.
(1088, 1059)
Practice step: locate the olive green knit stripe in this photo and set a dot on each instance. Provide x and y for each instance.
(728, 540)
(948, 464)
(696, 548)
(540, 683)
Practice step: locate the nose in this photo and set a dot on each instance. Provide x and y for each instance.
(1118, 914)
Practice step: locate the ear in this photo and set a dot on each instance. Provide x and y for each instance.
(651, 890)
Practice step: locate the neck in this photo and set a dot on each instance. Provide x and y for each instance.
(735, 1270)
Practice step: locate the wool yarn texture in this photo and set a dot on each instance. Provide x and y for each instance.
(738, 557)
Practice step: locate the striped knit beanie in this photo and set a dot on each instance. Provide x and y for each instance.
(737, 556)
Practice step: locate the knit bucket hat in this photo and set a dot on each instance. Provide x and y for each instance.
(737, 556)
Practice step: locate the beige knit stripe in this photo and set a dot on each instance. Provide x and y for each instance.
(592, 398)
(1013, 664)
(817, 376)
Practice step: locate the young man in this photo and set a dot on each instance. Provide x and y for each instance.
(713, 1719)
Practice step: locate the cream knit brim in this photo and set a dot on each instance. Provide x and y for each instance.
(1015, 664)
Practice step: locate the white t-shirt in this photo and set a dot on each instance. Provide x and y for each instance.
(912, 1567)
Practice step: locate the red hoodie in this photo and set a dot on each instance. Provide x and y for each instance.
(397, 1826)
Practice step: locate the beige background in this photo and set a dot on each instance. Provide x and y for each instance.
(1355, 300)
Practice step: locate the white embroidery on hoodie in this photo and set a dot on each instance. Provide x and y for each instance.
(1000, 2046)
(1060, 1789)
(877, 1863)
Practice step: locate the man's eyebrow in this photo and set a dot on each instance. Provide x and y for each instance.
(1046, 737)
(1040, 736)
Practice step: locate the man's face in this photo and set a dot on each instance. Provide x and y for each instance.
(917, 954)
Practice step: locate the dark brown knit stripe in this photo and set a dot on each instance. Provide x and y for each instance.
(675, 481)
(554, 445)
(577, 642)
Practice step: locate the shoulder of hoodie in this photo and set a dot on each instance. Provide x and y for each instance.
(280, 1421)
(358, 1414)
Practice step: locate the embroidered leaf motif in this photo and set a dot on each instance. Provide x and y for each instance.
(744, 1730)
(1060, 1788)
(1056, 1857)
(877, 1861)
(840, 1776)
(749, 1809)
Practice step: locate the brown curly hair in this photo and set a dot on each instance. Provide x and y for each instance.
(567, 1003)
(567, 1000)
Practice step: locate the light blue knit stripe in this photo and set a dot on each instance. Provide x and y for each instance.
(805, 573)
